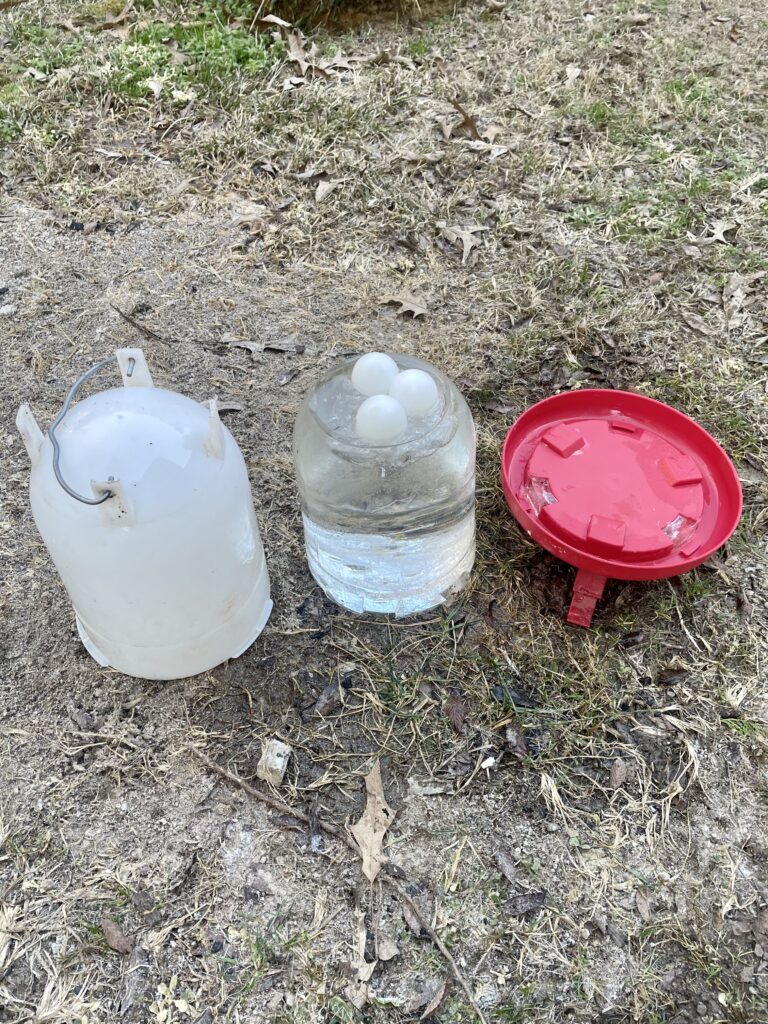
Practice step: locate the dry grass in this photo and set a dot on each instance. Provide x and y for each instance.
(617, 205)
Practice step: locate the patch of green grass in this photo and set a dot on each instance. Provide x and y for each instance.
(600, 112)
(690, 89)
(12, 103)
(204, 54)
(747, 728)
(419, 45)
(43, 47)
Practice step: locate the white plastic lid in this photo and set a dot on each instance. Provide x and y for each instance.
(161, 446)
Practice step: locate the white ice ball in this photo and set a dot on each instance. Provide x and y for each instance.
(374, 372)
(380, 420)
(416, 391)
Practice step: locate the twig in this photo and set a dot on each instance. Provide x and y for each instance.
(146, 331)
(344, 837)
(468, 121)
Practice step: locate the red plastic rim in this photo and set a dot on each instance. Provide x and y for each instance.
(619, 484)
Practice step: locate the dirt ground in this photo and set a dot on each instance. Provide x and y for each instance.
(579, 195)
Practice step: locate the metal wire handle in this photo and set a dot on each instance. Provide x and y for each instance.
(64, 410)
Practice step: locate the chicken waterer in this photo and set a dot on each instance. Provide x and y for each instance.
(619, 486)
(142, 498)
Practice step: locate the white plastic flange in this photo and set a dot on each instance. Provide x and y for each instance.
(30, 432)
(133, 368)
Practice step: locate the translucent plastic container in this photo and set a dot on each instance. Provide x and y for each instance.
(388, 526)
(148, 516)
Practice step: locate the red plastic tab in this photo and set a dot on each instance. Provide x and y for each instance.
(678, 469)
(606, 534)
(564, 439)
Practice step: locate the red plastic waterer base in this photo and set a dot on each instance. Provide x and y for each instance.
(619, 486)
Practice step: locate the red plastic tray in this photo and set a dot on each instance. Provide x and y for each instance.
(618, 485)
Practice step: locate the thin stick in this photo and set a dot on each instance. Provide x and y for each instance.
(344, 837)
(142, 328)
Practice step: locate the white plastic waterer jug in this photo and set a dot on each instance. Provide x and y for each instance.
(142, 499)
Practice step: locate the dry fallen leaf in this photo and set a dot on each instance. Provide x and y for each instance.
(369, 831)
(643, 905)
(522, 903)
(324, 189)
(361, 969)
(434, 1003)
(427, 787)
(736, 294)
(155, 86)
(115, 19)
(115, 937)
(697, 323)
(39, 76)
(515, 740)
(618, 773)
(456, 712)
(572, 72)
(760, 928)
(467, 236)
(408, 303)
(506, 865)
(426, 995)
(271, 19)
(720, 228)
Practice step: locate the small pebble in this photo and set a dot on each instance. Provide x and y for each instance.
(8, 310)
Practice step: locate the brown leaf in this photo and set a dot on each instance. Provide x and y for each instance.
(523, 903)
(643, 905)
(115, 937)
(408, 303)
(506, 865)
(467, 236)
(271, 19)
(515, 741)
(456, 712)
(618, 773)
(427, 787)
(721, 228)
(425, 995)
(697, 323)
(434, 1003)
(369, 831)
(324, 189)
(760, 928)
(296, 51)
(330, 700)
(736, 292)
(115, 19)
